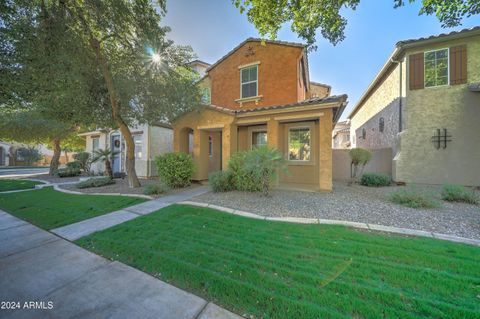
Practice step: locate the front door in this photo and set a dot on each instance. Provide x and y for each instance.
(116, 147)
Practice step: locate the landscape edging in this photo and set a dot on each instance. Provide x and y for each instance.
(373, 227)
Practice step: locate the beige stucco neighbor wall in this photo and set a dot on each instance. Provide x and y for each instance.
(160, 141)
(454, 108)
(385, 95)
(381, 162)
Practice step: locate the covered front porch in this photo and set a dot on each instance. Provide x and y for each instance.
(302, 134)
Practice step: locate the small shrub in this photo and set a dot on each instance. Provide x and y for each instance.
(68, 172)
(221, 181)
(75, 165)
(414, 198)
(156, 189)
(457, 193)
(264, 163)
(121, 175)
(95, 182)
(241, 179)
(84, 159)
(359, 158)
(375, 179)
(175, 169)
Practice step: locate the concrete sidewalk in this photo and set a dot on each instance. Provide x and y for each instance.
(89, 226)
(40, 267)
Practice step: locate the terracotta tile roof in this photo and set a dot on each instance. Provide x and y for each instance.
(437, 36)
(300, 45)
(311, 101)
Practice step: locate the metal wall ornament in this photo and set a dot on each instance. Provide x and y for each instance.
(441, 138)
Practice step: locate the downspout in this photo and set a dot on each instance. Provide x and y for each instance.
(400, 107)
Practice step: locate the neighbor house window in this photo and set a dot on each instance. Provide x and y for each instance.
(259, 138)
(249, 81)
(381, 125)
(299, 146)
(210, 146)
(137, 139)
(364, 133)
(436, 68)
(206, 97)
(95, 143)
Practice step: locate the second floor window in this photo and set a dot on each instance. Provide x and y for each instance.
(206, 99)
(436, 68)
(249, 82)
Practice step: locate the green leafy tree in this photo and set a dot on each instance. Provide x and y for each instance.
(105, 156)
(110, 59)
(30, 154)
(308, 16)
(143, 71)
(29, 127)
(359, 158)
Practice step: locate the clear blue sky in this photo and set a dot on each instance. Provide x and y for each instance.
(214, 27)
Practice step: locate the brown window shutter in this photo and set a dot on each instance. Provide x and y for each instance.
(458, 65)
(416, 71)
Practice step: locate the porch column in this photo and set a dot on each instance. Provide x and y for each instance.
(325, 151)
(229, 143)
(200, 154)
(273, 133)
(273, 139)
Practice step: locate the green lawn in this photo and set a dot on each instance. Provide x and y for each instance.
(281, 270)
(49, 209)
(16, 184)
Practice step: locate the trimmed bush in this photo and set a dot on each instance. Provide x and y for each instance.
(457, 193)
(375, 180)
(175, 169)
(95, 182)
(221, 181)
(75, 165)
(68, 172)
(156, 189)
(414, 198)
(242, 180)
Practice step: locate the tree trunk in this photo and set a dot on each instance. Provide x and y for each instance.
(108, 168)
(127, 135)
(57, 151)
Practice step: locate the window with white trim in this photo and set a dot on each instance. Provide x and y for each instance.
(299, 144)
(436, 68)
(95, 144)
(137, 139)
(206, 96)
(249, 81)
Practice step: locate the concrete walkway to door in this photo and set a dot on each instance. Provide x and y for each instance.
(39, 267)
(86, 227)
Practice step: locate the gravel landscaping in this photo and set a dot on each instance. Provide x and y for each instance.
(121, 187)
(358, 204)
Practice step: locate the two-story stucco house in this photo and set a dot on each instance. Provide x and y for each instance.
(425, 105)
(150, 141)
(260, 93)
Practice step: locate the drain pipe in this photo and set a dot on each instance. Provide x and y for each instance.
(400, 106)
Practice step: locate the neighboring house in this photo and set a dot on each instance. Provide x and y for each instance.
(150, 141)
(425, 105)
(260, 94)
(5, 153)
(200, 67)
(341, 135)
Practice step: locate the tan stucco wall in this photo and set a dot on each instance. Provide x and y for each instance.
(236, 135)
(451, 107)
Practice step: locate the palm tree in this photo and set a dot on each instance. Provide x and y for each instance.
(105, 156)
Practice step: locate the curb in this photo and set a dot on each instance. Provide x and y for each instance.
(58, 188)
(373, 227)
